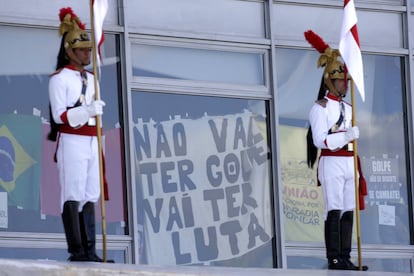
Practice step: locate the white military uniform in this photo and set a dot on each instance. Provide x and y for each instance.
(336, 164)
(77, 148)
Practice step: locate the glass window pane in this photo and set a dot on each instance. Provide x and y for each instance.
(388, 24)
(29, 186)
(384, 161)
(49, 10)
(197, 64)
(382, 147)
(203, 180)
(245, 19)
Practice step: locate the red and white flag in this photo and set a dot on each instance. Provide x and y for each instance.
(349, 46)
(100, 8)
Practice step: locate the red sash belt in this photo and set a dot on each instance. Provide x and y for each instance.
(84, 130)
(341, 152)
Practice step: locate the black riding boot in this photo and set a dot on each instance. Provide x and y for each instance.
(70, 220)
(346, 224)
(88, 233)
(332, 240)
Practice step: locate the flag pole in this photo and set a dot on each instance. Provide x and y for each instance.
(356, 179)
(98, 130)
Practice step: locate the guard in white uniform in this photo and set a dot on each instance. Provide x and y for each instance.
(332, 132)
(73, 116)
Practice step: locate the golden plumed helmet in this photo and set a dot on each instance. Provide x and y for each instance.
(329, 58)
(334, 67)
(76, 37)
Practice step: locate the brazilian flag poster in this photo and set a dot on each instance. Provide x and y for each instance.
(20, 159)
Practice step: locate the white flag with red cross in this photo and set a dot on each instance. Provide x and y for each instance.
(100, 8)
(349, 46)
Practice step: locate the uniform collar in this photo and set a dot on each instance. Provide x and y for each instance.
(333, 97)
(71, 67)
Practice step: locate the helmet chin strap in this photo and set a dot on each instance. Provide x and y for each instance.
(72, 56)
(331, 87)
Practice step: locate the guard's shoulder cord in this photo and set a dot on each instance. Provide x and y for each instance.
(84, 84)
(336, 126)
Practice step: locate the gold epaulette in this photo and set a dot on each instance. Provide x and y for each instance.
(322, 102)
(56, 72)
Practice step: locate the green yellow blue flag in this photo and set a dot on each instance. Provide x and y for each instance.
(20, 159)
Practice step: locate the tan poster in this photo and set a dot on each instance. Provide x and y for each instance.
(302, 198)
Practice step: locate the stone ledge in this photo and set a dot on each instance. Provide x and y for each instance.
(12, 267)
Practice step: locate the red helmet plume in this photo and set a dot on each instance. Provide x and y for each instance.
(72, 17)
(316, 41)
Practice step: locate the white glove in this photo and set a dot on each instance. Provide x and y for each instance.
(352, 133)
(95, 108)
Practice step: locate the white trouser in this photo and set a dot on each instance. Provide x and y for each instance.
(336, 175)
(78, 165)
